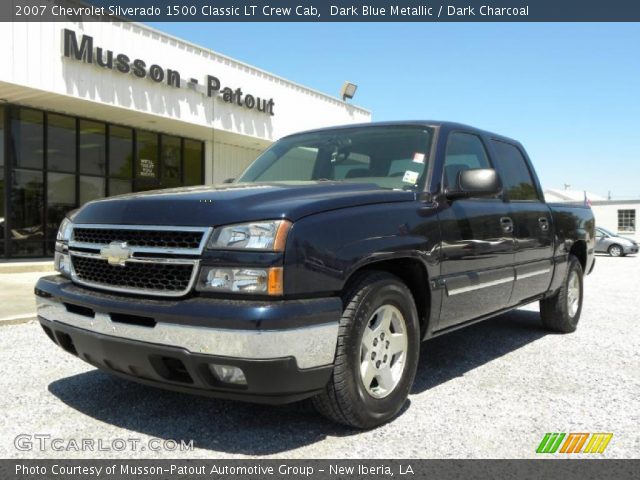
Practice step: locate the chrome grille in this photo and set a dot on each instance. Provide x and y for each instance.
(162, 260)
(143, 236)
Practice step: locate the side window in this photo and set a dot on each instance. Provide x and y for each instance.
(516, 177)
(465, 151)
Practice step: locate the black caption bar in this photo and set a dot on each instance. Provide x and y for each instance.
(315, 469)
(322, 10)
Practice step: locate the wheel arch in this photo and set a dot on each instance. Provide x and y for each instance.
(412, 272)
(579, 250)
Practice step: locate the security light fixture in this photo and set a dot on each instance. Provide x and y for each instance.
(348, 90)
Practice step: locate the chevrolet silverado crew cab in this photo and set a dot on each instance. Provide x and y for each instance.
(319, 271)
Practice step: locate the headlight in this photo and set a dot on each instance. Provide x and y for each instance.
(261, 281)
(64, 232)
(61, 259)
(268, 236)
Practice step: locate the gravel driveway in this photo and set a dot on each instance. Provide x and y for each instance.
(489, 391)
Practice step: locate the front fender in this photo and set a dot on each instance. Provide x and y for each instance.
(324, 250)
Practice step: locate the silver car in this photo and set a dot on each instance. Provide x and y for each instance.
(614, 245)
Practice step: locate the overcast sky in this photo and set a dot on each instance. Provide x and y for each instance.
(569, 92)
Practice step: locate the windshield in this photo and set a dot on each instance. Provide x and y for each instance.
(390, 157)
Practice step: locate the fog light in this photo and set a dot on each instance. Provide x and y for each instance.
(228, 374)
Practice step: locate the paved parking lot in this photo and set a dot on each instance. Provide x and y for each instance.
(490, 391)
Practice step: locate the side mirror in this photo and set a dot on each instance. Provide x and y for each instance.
(229, 180)
(477, 182)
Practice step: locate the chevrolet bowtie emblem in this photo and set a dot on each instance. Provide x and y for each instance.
(116, 253)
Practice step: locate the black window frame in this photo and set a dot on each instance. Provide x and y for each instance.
(631, 218)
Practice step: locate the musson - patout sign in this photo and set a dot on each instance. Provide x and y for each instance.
(84, 50)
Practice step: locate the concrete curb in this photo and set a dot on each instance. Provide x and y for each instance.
(26, 267)
(17, 319)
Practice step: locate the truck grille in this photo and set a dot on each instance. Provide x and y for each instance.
(135, 276)
(139, 238)
(160, 261)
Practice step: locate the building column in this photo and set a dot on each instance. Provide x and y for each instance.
(208, 162)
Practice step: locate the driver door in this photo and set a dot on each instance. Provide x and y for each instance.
(477, 248)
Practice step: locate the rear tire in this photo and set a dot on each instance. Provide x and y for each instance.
(561, 312)
(616, 250)
(376, 355)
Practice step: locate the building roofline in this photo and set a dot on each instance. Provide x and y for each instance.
(210, 52)
(615, 202)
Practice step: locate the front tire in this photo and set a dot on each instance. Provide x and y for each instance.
(376, 355)
(616, 250)
(561, 312)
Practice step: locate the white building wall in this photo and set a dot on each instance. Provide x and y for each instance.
(607, 216)
(35, 72)
(229, 161)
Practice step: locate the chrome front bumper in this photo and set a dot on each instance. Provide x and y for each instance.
(311, 346)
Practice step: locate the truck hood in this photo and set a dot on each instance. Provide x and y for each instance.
(234, 203)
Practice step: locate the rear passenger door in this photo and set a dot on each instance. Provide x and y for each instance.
(476, 248)
(531, 221)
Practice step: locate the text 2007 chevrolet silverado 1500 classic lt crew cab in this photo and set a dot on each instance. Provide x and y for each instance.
(319, 271)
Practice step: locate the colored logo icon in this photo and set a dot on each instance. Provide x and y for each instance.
(574, 443)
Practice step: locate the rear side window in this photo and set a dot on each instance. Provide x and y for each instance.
(516, 178)
(464, 152)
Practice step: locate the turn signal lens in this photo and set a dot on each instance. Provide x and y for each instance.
(275, 285)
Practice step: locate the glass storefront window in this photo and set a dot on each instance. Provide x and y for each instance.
(93, 147)
(119, 187)
(120, 152)
(171, 158)
(61, 143)
(27, 138)
(75, 169)
(193, 152)
(61, 198)
(146, 169)
(27, 202)
(91, 188)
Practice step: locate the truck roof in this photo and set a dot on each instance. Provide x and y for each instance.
(426, 123)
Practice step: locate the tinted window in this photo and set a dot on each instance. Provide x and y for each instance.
(193, 152)
(61, 149)
(27, 226)
(171, 157)
(27, 138)
(61, 197)
(464, 152)
(355, 166)
(379, 155)
(93, 148)
(146, 160)
(120, 152)
(516, 178)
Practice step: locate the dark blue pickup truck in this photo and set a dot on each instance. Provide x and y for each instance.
(320, 270)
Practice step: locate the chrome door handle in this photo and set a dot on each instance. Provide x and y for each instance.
(544, 224)
(507, 224)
